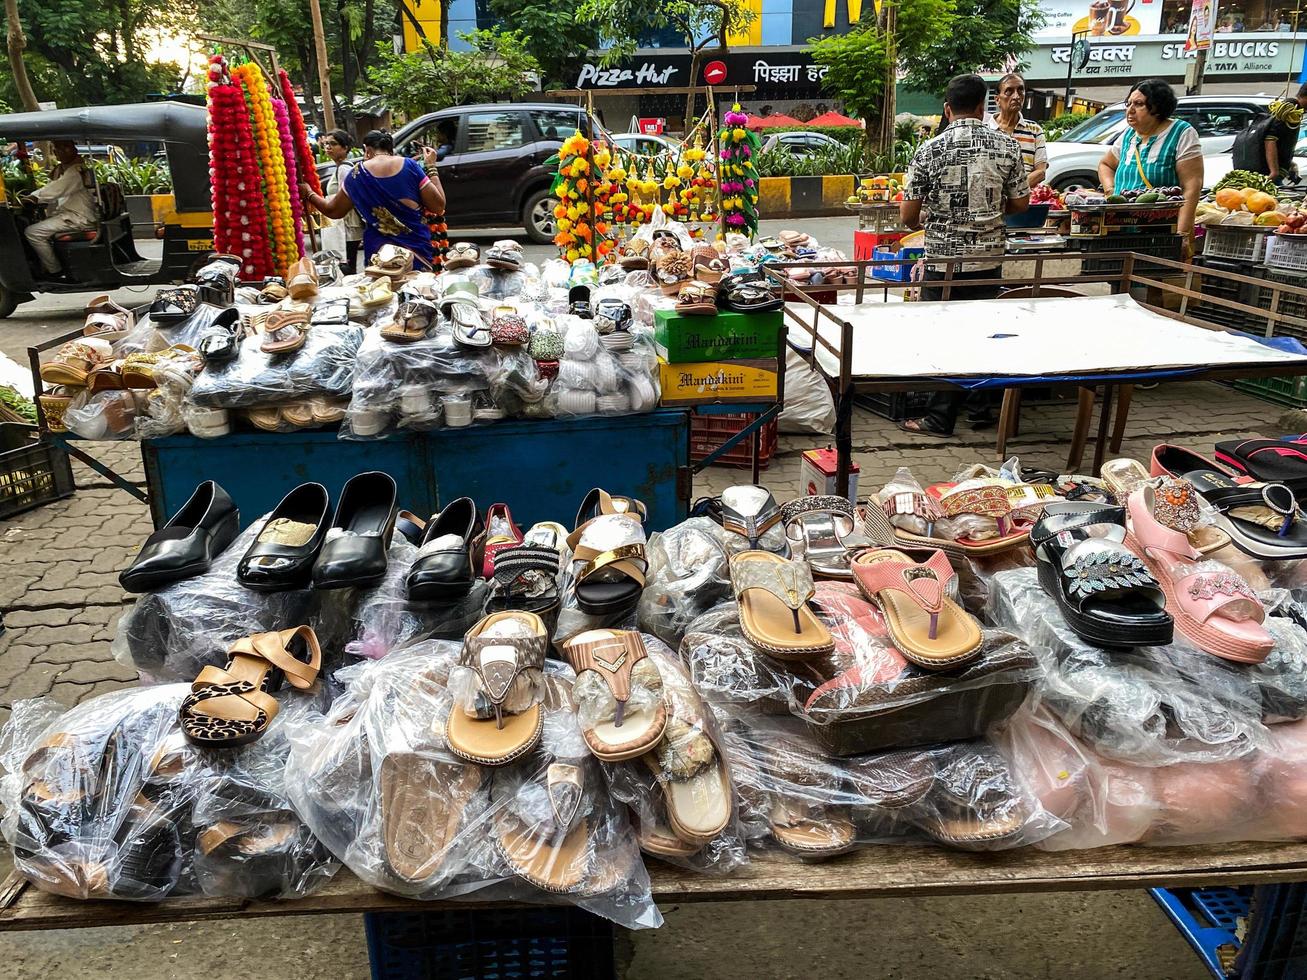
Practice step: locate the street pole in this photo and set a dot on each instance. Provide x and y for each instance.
(1193, 76)
(324, 78)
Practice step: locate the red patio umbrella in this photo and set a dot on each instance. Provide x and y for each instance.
(833, 119)
(777, 120)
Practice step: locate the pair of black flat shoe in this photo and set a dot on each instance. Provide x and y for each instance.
(298, 546)
(448, 545)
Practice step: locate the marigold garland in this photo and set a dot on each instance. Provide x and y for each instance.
(305, 163)
(579, 178)
(292, 174)
(272, 164)
(738, 174)
(239, 215)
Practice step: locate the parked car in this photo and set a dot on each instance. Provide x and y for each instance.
(500, 161)
(801, 143)
(646, 144)
(1073, 160)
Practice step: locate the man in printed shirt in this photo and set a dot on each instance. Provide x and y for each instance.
(70, 205)
(965, 179)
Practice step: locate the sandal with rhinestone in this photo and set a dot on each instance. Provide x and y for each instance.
(1107, 595)
(1213, 606)
(234, 705)
(929, 628)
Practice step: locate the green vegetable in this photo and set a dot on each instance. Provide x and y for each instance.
(1239, 179)
(1152, 197)
(1114, 199)
(11, 399)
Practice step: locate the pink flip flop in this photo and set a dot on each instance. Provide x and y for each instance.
(1214, 607)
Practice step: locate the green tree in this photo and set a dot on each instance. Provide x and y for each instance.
(996, 33)
(704, 25)
(555, 36)
(498, 66)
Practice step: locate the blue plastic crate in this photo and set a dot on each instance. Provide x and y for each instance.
(1207, 918)
(490, 944)
(895, 273)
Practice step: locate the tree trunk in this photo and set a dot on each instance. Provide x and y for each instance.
(347, 66)
(444, 24)
(16, 43)
(696, 56)
(367, 43)
(309, 65)
(884, 139)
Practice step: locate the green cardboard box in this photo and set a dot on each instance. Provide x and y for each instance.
(727, 336)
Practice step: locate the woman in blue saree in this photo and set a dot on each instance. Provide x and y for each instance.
(389, 193)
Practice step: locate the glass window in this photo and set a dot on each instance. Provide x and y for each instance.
(1100, 129)
(442, 134)
(493, 131)
(1216, 120)
(556, 124)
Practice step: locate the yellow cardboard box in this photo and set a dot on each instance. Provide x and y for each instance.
(718, 382)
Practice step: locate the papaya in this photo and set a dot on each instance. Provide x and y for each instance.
(1229, 198)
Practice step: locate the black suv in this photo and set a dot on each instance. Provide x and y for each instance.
(500, 160)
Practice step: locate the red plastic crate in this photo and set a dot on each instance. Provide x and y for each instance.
(708, 432)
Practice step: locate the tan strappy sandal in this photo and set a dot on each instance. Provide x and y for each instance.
(506, 653)
(284, 331)
(608, 664)
(773, 595)
(302, 279)
(234, 705)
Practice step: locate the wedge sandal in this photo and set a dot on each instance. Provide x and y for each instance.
(107, 320)
(1262, 519)
(1212, 606)
(609, 563)
(773, 596)
(502, 719)
(611, 667)
(749, 511)
(1106, 594)
(234, 705)
(929, 628)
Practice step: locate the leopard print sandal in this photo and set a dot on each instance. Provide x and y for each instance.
(234, 705)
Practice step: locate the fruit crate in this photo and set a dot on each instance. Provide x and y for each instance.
(709, 432)
(1237, 292)
(1287, 252)
(32, 472)
(1210, 921)
(1290, 392)
(1288, 304)
(564, 943)
(1236, 243)
(1163, 245)
(1098, 220)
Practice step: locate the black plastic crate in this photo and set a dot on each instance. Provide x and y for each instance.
(32, 473)
(1237, 292)
(1163, 246)
(481, 944)
(1287, 304)
(896, 406)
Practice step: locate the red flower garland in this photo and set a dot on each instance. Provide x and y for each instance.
(303, 152)
(240, 220)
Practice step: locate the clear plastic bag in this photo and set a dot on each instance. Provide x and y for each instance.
(604, 375)
(1149, 706)
(809, 804)
(108, 800)
(864, 696)
(106, 415)
(376, 779)
(324, 367)
(688, 574)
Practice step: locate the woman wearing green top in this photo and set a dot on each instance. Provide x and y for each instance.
(1155, 151)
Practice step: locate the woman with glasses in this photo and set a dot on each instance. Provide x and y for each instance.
(1156, 151)
(338, 143)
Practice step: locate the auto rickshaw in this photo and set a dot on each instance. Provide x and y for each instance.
(106, 258)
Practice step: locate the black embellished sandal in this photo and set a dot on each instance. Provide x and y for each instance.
(526, 575)
(1105, 592)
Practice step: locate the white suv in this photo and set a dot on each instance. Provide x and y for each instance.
(1073, 160)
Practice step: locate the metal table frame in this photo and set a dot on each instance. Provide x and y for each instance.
(1135, 276)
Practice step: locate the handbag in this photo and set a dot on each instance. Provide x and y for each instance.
(333, 239)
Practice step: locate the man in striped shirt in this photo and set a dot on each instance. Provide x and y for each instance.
(1028, 133)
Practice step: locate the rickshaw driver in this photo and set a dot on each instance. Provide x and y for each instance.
(71, 205)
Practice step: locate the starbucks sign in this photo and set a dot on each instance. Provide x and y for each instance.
(1235, 55)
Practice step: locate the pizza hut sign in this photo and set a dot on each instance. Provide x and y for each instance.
(648, 73)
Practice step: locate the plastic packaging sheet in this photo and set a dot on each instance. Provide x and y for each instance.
(324, 366)
(171, 634)
(809, 405)
(108, 800)
(1262, 796)
(685, 782)
(1150, 706)
(376, 780)
(105, 415)
(864, 696)
(796, 797)
(689, 573)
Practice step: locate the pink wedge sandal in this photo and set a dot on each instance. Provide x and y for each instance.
(1212, 605)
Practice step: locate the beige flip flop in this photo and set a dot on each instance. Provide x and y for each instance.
(554, 855)
(423, 802)
(773, 596)
(607, 664)
(284, 331)
(928, 627)
(504, 650)
(812, 833)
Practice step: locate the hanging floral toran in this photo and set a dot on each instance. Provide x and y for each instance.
(257, 150)
(738, 174)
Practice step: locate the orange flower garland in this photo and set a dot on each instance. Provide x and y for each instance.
(272, 163)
